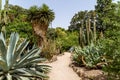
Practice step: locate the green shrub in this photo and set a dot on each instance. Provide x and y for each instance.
(68, 41)
(49, 50)
(112, 52)
(89, 56)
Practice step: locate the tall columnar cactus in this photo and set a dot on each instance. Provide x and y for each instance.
(5, 11)
(94, 29)
(87, 32)
(86, 36)
(0, 11)
(0, 14)
(5, 17)
(81, 35)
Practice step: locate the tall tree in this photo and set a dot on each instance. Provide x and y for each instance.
(80, 18)
(104, 10)
(77, 20)
(40, 18)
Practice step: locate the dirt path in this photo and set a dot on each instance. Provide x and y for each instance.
(61, 70)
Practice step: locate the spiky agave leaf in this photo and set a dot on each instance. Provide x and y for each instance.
(11, 49)
(20, 49)
(2, 46)
(3, 64)
(14, 67)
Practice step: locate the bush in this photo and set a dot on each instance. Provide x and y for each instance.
(90, 56)
(112, 50)
(49, 50)
(68, 41)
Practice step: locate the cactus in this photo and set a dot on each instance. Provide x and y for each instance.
(0, 10)
(87, 36)
(94, 29)
(5, 11)
(0, 14)
(81, 35)
(87, 32)
(5, 19)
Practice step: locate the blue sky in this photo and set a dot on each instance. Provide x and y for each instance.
(64, 9)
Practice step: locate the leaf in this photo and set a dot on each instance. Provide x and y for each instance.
(43, 68)
(3, 64)
(20, 49)
(11, 49)
(16, 77)
(9, 77)
(27, 55)
(35, 73)
(30, 62)
(2, 38)
(2, 49)
(2, 46)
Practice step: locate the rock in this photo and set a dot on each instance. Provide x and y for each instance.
(71, 65)
(93, 73)
(100, 77)
(54, 58)
(81, 72)
(88, 74)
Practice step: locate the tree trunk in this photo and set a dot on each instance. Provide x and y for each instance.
(40, 32)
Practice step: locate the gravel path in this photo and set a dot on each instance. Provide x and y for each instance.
(61, 70)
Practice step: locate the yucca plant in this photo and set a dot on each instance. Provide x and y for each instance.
(13, 66)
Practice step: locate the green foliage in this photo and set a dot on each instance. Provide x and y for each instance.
(43, 14)
(111, 42)
(49, 50)
(86, 37)
(19, 23)
(80, 18)
(62, 38)
(13, 66)
(51, 33)
(67, 41)
(76, 20)
(112, 52)
(3, 16)
(89, 56)
(23, 28)
(111, 47)
(105, 12)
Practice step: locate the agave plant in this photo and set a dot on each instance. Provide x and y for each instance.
(13, 66)
(90, 56)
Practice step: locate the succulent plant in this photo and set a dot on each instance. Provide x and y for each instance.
(87, 35)
(89, 56)
(13, 66)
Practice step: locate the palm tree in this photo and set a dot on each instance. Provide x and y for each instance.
(40, 18)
